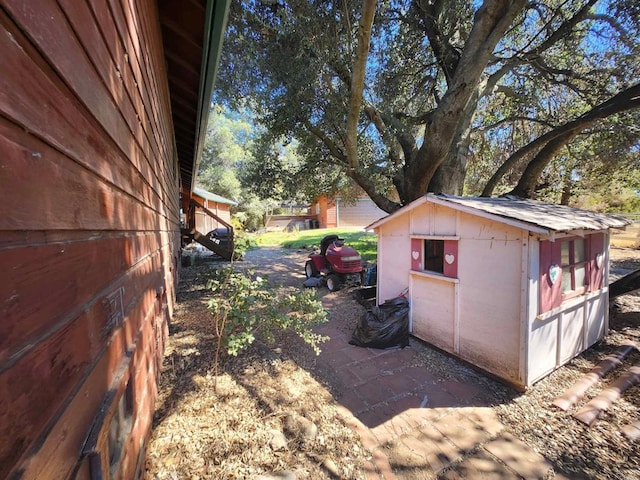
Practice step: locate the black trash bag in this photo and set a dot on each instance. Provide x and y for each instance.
(384, 326)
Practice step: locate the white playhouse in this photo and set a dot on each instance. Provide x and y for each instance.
(516, 287)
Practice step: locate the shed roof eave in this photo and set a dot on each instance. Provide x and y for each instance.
(213, 196)
(434, 199)
(490, 216)
(401, 211)
(535, 217)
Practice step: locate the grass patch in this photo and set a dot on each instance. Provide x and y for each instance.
(364, 242)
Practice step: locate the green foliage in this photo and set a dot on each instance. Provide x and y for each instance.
(242, 243)
(251, 211)
(291, 62)
(256, 175)
(608, 191)
(227, 147)
(274, 171)
(244, 304)
(220, 180)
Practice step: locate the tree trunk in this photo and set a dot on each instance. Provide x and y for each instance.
(567, 188)
(449, 178)
(490, 23)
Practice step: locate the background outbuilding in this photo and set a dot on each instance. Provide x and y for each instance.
(217, 204)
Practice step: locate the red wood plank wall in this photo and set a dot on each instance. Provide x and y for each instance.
(205, 223)
(89, 231)
(328, 212)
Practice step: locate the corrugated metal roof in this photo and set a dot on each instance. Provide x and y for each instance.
(212, 196)
(527, 214)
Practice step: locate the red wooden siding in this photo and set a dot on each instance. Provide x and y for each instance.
(332, 215)
(205, 223)
(89, 236)
(327, 218)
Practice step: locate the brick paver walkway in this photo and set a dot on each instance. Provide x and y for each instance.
(419, 426)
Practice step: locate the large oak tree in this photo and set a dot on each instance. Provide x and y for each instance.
(397, 95)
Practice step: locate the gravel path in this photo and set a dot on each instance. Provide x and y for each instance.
(283, 266)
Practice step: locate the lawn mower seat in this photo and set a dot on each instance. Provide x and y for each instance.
(328, 240)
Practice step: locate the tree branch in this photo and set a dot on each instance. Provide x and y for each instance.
(512, 119)
(490, 22)
(613, 23)
(381, 120)
(447, 56)
(357, 80)
(523, 57)
(562, 31)
(334, 150)
(549, 143)
(369, 187)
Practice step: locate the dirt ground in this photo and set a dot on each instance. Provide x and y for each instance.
(245, 423)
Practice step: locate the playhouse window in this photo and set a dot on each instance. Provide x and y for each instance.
(573, 260)
(570, 267)
(437, 255)
(434, 256)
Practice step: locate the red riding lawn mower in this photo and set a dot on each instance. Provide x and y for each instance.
(338, 263)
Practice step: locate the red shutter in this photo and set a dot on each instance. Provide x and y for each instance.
(450, 262)
(596, 251)
(416, 254)
(550, 292)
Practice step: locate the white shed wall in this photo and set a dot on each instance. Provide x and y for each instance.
(491, 276)
(430, 219)
(364, 212)
(476, 316)
(394, 260)
(433, 311)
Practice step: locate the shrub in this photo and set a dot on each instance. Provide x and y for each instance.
(244, 304)
(241, 243)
